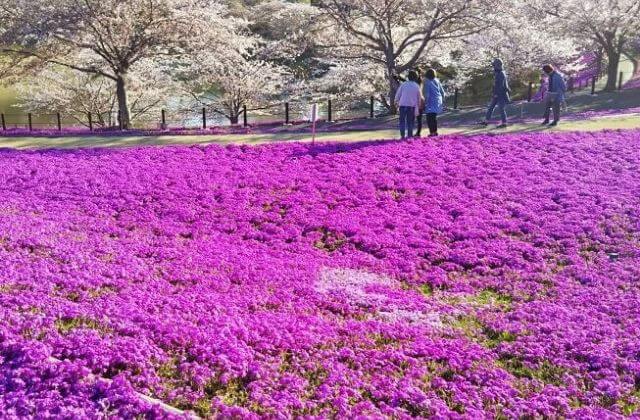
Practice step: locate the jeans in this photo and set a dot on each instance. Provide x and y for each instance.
(432, 122)
(549, 105)
(407, 120)
(501, 104)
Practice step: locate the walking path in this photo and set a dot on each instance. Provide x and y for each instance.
(608, 122)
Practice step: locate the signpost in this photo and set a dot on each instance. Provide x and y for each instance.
(314, 119)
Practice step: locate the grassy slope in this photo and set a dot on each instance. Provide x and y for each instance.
(624, 122)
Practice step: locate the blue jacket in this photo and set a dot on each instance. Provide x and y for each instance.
(557, 85)
(501, 88)
(433, 96)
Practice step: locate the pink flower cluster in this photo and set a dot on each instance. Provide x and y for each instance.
(464, 277)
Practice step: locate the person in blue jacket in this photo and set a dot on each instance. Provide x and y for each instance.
(433, 101)
(501, 93)
(555, 95)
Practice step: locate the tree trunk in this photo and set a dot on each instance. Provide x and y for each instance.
(234, 119)
(123, 105)
(613, 59)
(393, 89)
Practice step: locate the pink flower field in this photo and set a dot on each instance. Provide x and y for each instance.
(466, 277)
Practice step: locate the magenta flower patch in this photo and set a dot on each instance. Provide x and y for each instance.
(463, 277)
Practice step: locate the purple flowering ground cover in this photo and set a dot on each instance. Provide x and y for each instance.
(466, 277)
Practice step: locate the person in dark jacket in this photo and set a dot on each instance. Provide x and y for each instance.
(555, 95)
(500, 96)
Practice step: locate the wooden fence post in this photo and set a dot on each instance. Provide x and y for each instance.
(371, 107)
(620, 81)
(571, 84)
(593, 86)
(329, 112)
(455, 98)
(245, 118)
(4, 122)
(30, 122)
(163, 119)
(90, 121)
(286, 113)
(204, 118)
(59, 121)
(530, 92)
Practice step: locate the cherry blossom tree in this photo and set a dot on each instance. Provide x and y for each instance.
(110, 36)
(226, 84)
(395, 35)
(287, 33)
(58, 88)
(609, 24)
(522, 44)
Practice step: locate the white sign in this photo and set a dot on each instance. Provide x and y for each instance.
(314, 119)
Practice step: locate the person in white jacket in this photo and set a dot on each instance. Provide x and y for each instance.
(408, 98)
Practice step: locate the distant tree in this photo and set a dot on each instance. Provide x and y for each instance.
(225, 85)
(395, 35)
(609, 24)
(287, 31)
(75, 94)
(110, 36)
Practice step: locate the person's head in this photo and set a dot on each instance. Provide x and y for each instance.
(430, 74)
(497, 64)
(419, 73)
(413, 76)
(548, 68)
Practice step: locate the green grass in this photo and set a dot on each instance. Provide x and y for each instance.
(453, 122)
(613, 122)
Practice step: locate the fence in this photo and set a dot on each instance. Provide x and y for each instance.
(330, 110)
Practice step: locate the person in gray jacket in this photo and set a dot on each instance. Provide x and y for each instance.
(555, 95)
(501, 93)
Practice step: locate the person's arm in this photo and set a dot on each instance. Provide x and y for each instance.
(425, 90)
(507, 89)
(563, 84)
(398, 94)
(441, 91)
(496, 84)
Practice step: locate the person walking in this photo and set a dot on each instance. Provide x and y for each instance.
(408, 99)
(540, 96)
(434, 101)
(555, 95)
(501, 93)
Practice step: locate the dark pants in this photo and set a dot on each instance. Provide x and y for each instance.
(407, 121)
(432, 122)
(549, 105)
(501, 104)
(419, 125)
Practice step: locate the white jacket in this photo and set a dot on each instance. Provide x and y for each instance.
(409, 94)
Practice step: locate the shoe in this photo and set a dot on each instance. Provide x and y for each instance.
(545, 122)
(502, 126)
(483, 123)
(553, 124)
(433, 135)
